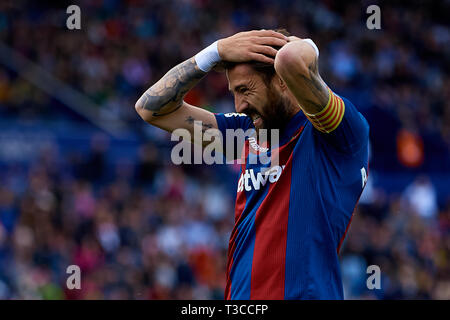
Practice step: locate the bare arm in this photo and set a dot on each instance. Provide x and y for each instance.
(297, 64)
(162, 104)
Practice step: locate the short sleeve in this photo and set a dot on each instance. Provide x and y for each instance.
(341, 125)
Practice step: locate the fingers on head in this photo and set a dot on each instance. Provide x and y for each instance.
(269, 33)
(266, 50)
(271, 41)
(262, 58)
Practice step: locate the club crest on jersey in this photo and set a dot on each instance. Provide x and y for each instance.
(250, 180)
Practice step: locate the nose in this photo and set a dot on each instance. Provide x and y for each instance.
(240, 104)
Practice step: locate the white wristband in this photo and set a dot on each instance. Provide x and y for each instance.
(208, 57)
(313, 45)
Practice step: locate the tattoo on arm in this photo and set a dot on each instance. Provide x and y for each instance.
(170, 89)
(317, 87)
(205, 126)
(160, 114)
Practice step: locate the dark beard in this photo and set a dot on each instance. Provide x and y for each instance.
(277, 111)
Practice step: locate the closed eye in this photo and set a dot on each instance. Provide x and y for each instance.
(241, 89)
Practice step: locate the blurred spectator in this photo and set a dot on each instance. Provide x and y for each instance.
(421, 197)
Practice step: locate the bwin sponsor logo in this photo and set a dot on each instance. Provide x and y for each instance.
(249, 180)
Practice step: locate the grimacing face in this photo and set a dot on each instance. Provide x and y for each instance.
(267, 105)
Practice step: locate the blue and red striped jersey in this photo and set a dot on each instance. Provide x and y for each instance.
(291, 218)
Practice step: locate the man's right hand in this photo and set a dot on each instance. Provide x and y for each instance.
(256, 45)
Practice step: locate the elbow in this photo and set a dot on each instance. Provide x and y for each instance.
(142, 112)
(292, 59)
(138, 106)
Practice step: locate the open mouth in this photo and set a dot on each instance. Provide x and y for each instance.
(257, 121)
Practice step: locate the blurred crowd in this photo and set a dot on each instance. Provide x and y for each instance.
(398, 75)
(154, 233)
(150, 230)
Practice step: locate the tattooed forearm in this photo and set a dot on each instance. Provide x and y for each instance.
(169, 91)
(297, 64)
(317, 87)
(205, 126)
(163, 113)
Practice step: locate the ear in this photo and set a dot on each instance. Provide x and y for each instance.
(280, 83)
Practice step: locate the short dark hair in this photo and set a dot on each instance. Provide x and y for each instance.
(266, 70)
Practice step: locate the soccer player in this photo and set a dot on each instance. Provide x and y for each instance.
(289, 226)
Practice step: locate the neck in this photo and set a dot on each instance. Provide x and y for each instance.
(293, 108)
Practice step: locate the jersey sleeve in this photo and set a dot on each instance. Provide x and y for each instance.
(232, 141)
(341, 125)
